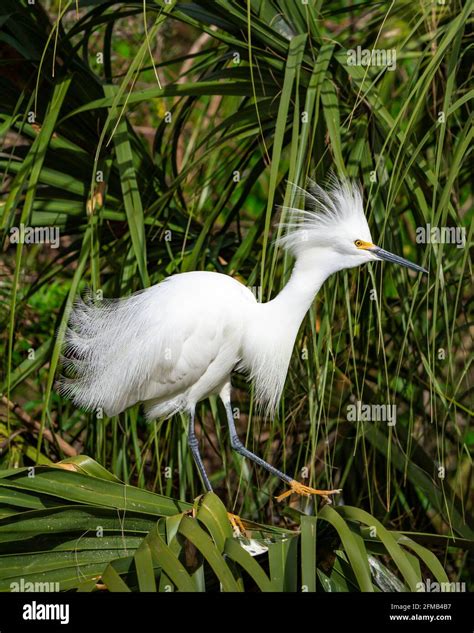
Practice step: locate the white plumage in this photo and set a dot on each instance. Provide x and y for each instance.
(168, 346)
(337, 212)
(178, 342)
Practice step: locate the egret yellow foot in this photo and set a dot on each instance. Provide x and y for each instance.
(298, 488)
(236, 523)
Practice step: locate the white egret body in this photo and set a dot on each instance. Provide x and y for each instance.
(178, 342)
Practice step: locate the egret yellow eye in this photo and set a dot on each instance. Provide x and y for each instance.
(358, 243)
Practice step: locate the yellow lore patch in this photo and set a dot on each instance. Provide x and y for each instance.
(363, 245)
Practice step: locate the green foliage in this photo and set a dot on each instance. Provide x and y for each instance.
(169, 152)
(84, 530)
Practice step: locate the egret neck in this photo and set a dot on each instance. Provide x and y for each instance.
(270, 339)
(310, 271)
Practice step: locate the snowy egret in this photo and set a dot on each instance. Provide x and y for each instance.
(178, 342)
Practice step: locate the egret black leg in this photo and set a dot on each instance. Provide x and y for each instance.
(295, 486)
(194, 446)
(240, 448)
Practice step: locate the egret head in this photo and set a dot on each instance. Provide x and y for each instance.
(333, 225)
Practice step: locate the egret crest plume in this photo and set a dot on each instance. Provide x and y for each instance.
(337, 211)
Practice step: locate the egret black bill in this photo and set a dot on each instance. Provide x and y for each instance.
(390, 257)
